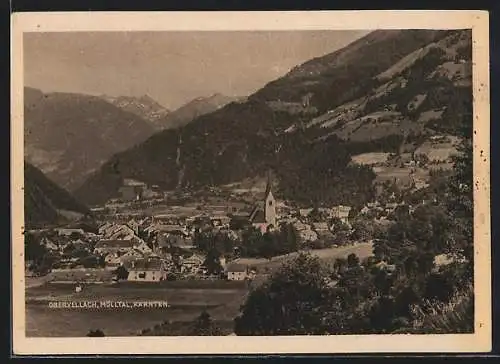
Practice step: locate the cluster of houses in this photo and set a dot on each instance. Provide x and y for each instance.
(133, 190)
(380, 211)
(65, 243)
(151, 248)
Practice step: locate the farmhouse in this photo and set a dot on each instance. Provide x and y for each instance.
(132, 190)
(147, 270)
(341, 212)
(134, 225)
(308, 235)
(192, 264)
(127, 258)
(220, 220)
(115, 231)
(305, 212)
(237, 272)
(112, 260)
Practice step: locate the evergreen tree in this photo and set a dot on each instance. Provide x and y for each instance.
(212, 262)
(203, 325)
(121, 273)
(290, 303)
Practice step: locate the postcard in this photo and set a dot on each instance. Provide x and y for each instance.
(250, 182)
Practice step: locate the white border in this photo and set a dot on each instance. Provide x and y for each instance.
(480, 341)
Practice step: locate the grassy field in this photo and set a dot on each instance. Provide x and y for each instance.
(362, 250)
(400, 174)
(370, 158)
(221, 299)
(186, 303)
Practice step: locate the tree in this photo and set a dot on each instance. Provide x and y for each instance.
(460, 201)
(33, 250)
(362, 230)
(317, 216)
(438, 287)
(121, 273)
(270, 246)
(74, 236)
(95, 333)
(204, 241)
(203, 325)
(288, 238)
(402, 212)
(382, 314)
(290, 303)
(252, 242)
(337, 225)
(340, 265)
(352, 260)
(238, 223)
(90, 261)
(212, 262)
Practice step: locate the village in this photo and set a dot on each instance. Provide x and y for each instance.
(130, 244)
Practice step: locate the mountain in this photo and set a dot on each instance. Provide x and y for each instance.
(47, 203)
(143, 106)
(163, 118)
(195, 108)
(69, 135)
(388, 90)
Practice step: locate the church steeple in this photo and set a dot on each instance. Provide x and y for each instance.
(269, 203)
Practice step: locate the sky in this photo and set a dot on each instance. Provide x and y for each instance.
(171, 67)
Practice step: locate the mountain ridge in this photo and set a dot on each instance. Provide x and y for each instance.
(197, 107)
(143, 106)
(59, 127)
(47, 203)
(274, 128)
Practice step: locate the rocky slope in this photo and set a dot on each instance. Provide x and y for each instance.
(143, 106)
(45, 202)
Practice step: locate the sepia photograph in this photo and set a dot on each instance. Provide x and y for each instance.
(299, 180)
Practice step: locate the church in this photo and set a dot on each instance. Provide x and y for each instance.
(263, 215)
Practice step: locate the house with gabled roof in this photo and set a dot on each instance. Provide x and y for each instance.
(104, 247)
(132, 255)
(237, 271)
(341, 212)
(49, 244)
(192, 264)
(149, 269)
(134, 225)
(144, 248)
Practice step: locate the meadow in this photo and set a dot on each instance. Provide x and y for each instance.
(185, 304)
(187, 299)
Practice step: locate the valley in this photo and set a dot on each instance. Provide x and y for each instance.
(337, 188)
